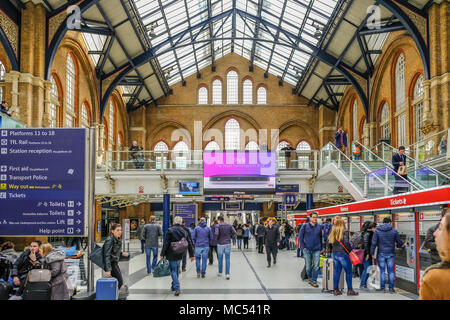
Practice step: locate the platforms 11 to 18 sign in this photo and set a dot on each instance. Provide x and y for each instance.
(42, 182)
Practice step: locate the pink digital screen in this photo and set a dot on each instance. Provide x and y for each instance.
(239, 172)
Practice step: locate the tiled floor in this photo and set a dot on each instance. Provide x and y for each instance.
(250, 280)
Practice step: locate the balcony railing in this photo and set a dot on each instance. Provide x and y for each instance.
(190, 160)
(6, 122)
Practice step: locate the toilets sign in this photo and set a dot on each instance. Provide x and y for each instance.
(42, 182)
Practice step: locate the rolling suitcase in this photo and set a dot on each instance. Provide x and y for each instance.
(327, 276)
(5, 290)
(107, 289)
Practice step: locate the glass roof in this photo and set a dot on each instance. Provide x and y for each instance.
(266, 32)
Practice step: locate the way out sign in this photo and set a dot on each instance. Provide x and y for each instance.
(43, 182)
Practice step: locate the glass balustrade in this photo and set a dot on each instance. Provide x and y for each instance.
(190, 160)
(6, 122)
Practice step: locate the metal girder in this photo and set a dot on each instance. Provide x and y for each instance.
(100, 31)
(105, 56)
(317, 52)
(277, 37)
(190, 31)
(213, 54)
(392, 6)
(104, 100)
(53, 46)
(171, 42)
(383, 29)
(258, 21)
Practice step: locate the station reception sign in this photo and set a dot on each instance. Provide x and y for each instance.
(43, 182)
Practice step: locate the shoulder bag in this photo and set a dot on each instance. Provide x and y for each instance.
(352, 255)
(179, 247)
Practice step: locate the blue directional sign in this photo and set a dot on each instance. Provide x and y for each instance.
(187, 211)
(42, 182)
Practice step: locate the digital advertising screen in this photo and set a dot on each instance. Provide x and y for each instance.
(235, 172)
(189, 188)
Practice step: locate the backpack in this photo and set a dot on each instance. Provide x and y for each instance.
(239, 232)
(357, 240)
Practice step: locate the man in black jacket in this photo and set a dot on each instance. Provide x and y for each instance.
(398, 160)
(260, 232)
(175, 234)
(272, 241)
(28, 260)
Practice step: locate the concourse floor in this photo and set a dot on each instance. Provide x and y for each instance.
(250, 280)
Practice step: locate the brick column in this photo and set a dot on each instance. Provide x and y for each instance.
(47, 118)
(12, 88)
(437, 103)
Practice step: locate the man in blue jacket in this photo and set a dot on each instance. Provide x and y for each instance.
(341, 139)
(385, 238)
(310, 239)
(201, 237)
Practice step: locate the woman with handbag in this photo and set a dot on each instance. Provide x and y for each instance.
(339, 244)
(62, 288)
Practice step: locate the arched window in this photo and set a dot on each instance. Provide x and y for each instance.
(2, 78)
(232, 88)
(232, 135)
(111, 123)
(54, 104)
(248, 92)
(119, 142)
(105, 136)
(161, 147)
(70, 92)
(355, 120)
(400, 96)
(212, 146)
(181, 153)
(304, 146)
(217, 92)
(202, 95)
(262, 95)
(385, 128)
(418, 105)
(400, 86)
(281, 155)
(252, 146)
(85, 116)
(303, 159)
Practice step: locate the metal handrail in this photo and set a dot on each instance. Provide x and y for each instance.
(428, 138)
(396, 174)
(417, 164)
(373, 153)
(343, 154)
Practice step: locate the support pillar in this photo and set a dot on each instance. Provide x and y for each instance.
(166, 213)
(309, 201)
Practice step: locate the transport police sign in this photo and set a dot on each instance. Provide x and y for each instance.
(43, 182)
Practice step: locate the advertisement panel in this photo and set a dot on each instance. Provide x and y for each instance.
(42, 182)
(189, 188)
(235, 172)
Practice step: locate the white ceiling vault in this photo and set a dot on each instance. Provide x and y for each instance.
(317, 46)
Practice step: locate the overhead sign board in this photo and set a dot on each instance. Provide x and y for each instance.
(43, 188)
(287, 188)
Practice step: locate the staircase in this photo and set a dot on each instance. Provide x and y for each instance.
(368, 178)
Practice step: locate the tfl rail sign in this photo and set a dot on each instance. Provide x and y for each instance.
(43, 182)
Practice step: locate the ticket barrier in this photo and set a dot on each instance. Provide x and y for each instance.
(428, 217)
(405, 260)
